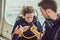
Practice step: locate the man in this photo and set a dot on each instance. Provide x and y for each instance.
(27, 26)
(52, 23)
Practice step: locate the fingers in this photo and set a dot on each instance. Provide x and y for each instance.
(16, 28)
(21, 28)
(26, 27)
(20, 25)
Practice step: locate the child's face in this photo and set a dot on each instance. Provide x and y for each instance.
(29, 17)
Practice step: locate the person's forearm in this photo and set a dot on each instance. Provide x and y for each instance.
(15, 37)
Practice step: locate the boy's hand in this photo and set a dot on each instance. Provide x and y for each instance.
(18, 30)
(25, 28)
(34, 29)
(21, 29)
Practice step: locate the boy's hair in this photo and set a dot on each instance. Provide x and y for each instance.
(48, 4)
(26, 10)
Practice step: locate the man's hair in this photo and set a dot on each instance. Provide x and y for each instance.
(26, 10)
(48, 4)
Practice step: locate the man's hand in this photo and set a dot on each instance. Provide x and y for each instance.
(52, 14)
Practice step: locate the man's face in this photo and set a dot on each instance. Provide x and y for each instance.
(29, 17)
(44, 13)
(49, 14)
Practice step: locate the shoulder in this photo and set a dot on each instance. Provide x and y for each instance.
(19, 20)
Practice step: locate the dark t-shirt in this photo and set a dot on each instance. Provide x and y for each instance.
(28, 33)
(51, 30)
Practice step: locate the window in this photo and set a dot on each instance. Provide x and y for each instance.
(58, 4)
(13, 7)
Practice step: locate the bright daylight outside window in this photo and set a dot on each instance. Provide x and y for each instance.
(13, 7)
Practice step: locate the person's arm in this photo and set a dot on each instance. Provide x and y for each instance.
(13, 35)
(15, 25)
(17, 33)
(39, 30)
